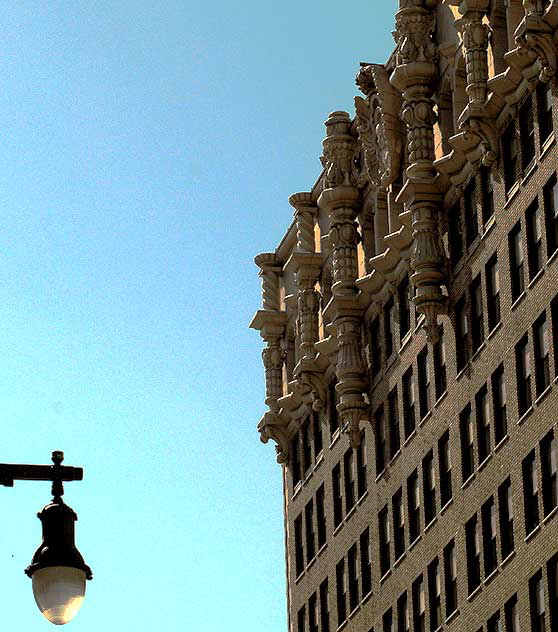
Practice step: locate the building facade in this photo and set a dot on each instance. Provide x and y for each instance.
(410, 328)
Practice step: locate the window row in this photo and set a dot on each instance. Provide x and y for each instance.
(305, 447)
(349, 481)
(314, 617)
(310, 531)
(353, 575)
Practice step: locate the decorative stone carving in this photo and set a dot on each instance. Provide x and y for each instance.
(378, 125)
(339, 153)
(535, 37)
(272, 426)
(269, 274)
(305, 215)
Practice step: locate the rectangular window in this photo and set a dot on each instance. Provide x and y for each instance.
(413, 501)
(384, 539)
(470, 206)
(554, 316)
(324, 606)
(409, 402)
(544, 110)
(387, 621)
(511, 612)
(321, 516)
(341, 592)
(317, 432)
(403, 613)
(499, 404)
(302, 619)
(530, 491)
(515, 246)
(473, 554)
(444, 459)
(467, 443)
(461, 334)
(487, 193)
(450, 574)
(510, 151)
(494, 623)
(365, 562)
(352, 563)
(505, 505)
(549, 480)
(434, 595)
(536, 603)
(394, 434)
(299, 546)
(423, 382)
(404, 307)
(552, 575)
(398, 517)
(440, 376)
(477, 314)
(306, 446)
(381, 448)
(337, 495)
(313, 613)
(333, 414)
(488, 515)
(375, 347)
(534, 239)
(483, 423)
(527, 133)
(294, 460)
(550, 195)
(523, 370)
(362, 462)
(310, 535)
(542, 354)
(493, 292)
(419, 606)
(429, 487)
(455, 234)
(349, 475)
(389, 310)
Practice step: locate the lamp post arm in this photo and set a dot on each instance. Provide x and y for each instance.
(57, 473)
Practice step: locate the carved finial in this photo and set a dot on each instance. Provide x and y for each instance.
(305, 212)
(339, 152)
(270, 280)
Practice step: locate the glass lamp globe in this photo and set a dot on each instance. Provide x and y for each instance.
(59, 592)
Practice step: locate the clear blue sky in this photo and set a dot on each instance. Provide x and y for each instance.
(147, 151)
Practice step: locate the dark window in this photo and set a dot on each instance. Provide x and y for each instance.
(429, 487)
(365, 562)
(552, 574)
(387, 621)
(299, 546)
(324, 606)
(389, 327)
(531, 492)
(352, 560)
(321, 516)
(544, 110)
(413, 502)
(439, 354)
(423, 382)
(404, 307)
(493, 292)
(487, 193)
(381, 447)
(515, 243)
(302, 619)
(461, 334)
(512, 614)
(550, 194)
(477, 314)
(510, 156)
(306, 446)
(383, 536)
(349, 475)
(403, 613)
(444, 459)
(499, 404)
(434, 595)
(341, 592)
(523, 370)
(317, 431)
(541, 350)
(419, 606)
(505, 504)
(398, 517)
(394, 435)
(467, 443)
(313, 613)
(470, 205)
(483, 423)
(536, 603)
(337, 495)
(473, 554)
(527, 133)
(375, 347)
(450, 575)
(554, 313)
(534, 239)
(310, 535)
(494, 623)
(333, 414)
(409, 401)
(488, 515)
(549, 480)
(362, 461)
(454, 234)
(295, 460)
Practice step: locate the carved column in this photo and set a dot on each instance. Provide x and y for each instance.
(341, 201)
(475, 35)
(416, 74)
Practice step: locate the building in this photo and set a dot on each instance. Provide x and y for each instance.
(410, 322)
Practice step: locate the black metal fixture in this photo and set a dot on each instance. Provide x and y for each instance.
(57, 570)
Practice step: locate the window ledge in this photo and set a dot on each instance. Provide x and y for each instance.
(525, 415)
(414, 432)
(468, 481)
(342, 625)
(440, 399)
(537, 276)
(424, 419)
(431, 524)
(494, 330)
(484, 462)
(335, 437)
(540, 397)
(392, 458)
(517, 301)
(490, 577)
(509, 557)
(420, 322)
(310, 563)
(354, 611)
(550, 515)
(478, 351)
(380, 475)
(299, 576)
(322, 549)
(384, 577)
(462, 371)
(448, 504)
(532, 533)
(366, 597)
(390, 361)
(553, 256)
(415, 542)
(399, 559)
(502, 442)
(350, 513)
(319, 460)
(475, 592)
(338, 528)
(452, 616)
(405, 340)
(296, 490)
(547, 144)
(491, 222)
(510, 195)
(363, 497)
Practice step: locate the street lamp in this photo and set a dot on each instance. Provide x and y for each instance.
(57, 570)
